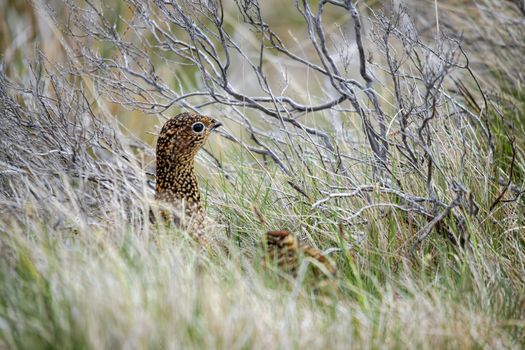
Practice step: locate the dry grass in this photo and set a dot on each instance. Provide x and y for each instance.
(82, 267)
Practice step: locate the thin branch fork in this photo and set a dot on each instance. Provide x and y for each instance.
(509, 181)
(427, 230)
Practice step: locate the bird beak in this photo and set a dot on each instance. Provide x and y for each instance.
(215, 126)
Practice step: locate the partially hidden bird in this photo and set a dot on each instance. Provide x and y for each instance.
(177, 189)
(286, 252)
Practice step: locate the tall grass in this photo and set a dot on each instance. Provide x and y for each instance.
(82, 267)
(109, 286)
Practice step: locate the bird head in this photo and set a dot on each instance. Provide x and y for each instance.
(182, 136)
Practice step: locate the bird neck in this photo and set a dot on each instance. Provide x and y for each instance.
(176, 181)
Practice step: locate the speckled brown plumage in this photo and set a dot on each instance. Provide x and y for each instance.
(285, 251)
(179, 140)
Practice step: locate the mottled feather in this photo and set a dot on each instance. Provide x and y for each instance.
(286, 252)
(177, 188)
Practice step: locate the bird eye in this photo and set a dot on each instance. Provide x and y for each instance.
(197, 127)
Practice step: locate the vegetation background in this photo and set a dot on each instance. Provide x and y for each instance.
(428, 237)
